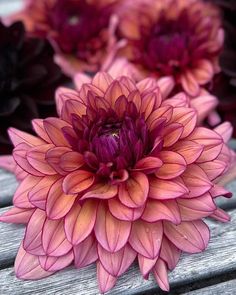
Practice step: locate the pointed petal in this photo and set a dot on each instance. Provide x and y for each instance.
(148, 165)
(187, 117)
(166, 85)
(161, 275)
(102, 81)
(110, 232)
(80, 79)
(146, 265)
(189, 236)
(62, 95)
(77, 181)
(190, 150)
(71, 161)
(39, 129)
(53, 157)
(134, 192)
(17, 215)
(116, 263)
(145, 238)
(220, 215)
(214, 168)
(105, 281)
(52, 264)
(86, 252)
(101, 191)
(172, 133)
(169, 253)
(58, 203)
(225, 130)
(114, 91)
(190, 84)
(80, 221)
(17, 137)
(161, 210)
(27, 266)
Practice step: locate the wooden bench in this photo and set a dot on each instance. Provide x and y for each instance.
(211, 272)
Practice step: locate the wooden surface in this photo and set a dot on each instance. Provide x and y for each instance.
(215, 264)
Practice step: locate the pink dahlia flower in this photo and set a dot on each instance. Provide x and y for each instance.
(178, 38)
(121, 174)
(80, 30)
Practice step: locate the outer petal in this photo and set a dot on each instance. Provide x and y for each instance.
(220, 215)
(146, 238)
(172, 133)
(190, 150)
(161, 275)
(71, 161)
(166, 85)
(191, 237)
(169, 253)
(80, 221)
(102, 81)
(77, 181)
(105, 280)
(39, 129)
(101, 191)
(18, 137)
(17, 215)
(86, 252)
(134, 192)
(50, 263)
(110, 232)
(225, 130)
(27, 266)
(58, 203)
(190, 84)
(53, 157)
(146, 265)
(116, 263)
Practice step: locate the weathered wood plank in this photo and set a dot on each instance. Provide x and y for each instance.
(8, 7)
(217, 259)
(8, 185)
(226, 288)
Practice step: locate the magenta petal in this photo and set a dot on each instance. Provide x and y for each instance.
(169, 253)
(162, 210)
(161, 275)
(133, 193)
(110, 232)
(54, 239)
(27, 266)
(50, 263)
(17, 215)
(105, 280)
(189, 236)
(85, 252)
(77, 181)
(33, 236)
(116, 263)
(146, 265)
(80, 221)
(145, 238)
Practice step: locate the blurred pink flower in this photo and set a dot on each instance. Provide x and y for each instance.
(181, 39)
(81, 31)
(123, 173)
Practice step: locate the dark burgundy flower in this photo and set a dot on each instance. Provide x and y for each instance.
(28, 78)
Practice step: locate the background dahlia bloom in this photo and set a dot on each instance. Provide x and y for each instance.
(123, 173)
(81, 31)
(179, 38)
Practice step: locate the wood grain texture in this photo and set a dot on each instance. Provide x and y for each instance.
(226, 288)
(218, 258)
(8, 185)
(7, 7)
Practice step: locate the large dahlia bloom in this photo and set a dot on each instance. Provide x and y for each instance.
(80, 30)
(121, 174)
(178, 38)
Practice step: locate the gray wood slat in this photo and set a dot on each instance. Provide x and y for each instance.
(8, 185)
(226, 288)
(217, 259)
(8, 7)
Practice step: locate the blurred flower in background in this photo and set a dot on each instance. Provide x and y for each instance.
(28, 79)
(80, 30)
(174, 38)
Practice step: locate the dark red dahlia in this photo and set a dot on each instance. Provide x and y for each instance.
(28, 78)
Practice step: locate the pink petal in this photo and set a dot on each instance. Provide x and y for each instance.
(205, 105)
(134, 192)
(203, 71)
(190, 84)
(173, 165)
(50, 263)
(53, 157)
(166, 85)
(58, 203)
(148, 165)
(196, 208)
(17, 215)
(110, 232)
(169, 253)
(149, 102)
(21, 199)
(114, 91)
(101, 191)
(161, 275)
(80, 79)
(166, 189)
(36, 158)
(53, 127)
(102, 81)
(172, 134)
(17, 137)
(116, 263)
(54, 238)
(220, 215)
(39, 129)
(80, 221)
(189, 236)
(78, 181)
(73, 106)
(218, 191)
(105, 281)
(225, 130)
(86, 252)
(146, 238)
(196, 181)
(190, 150)
(147, 84)
(181, 99)
(62, 95)
(122, 212)
(160, 113)
(211, 141)
(146, 265)
(161, 210)
(213, 169)
(71, 161)
(27, 266)
(33, 236)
